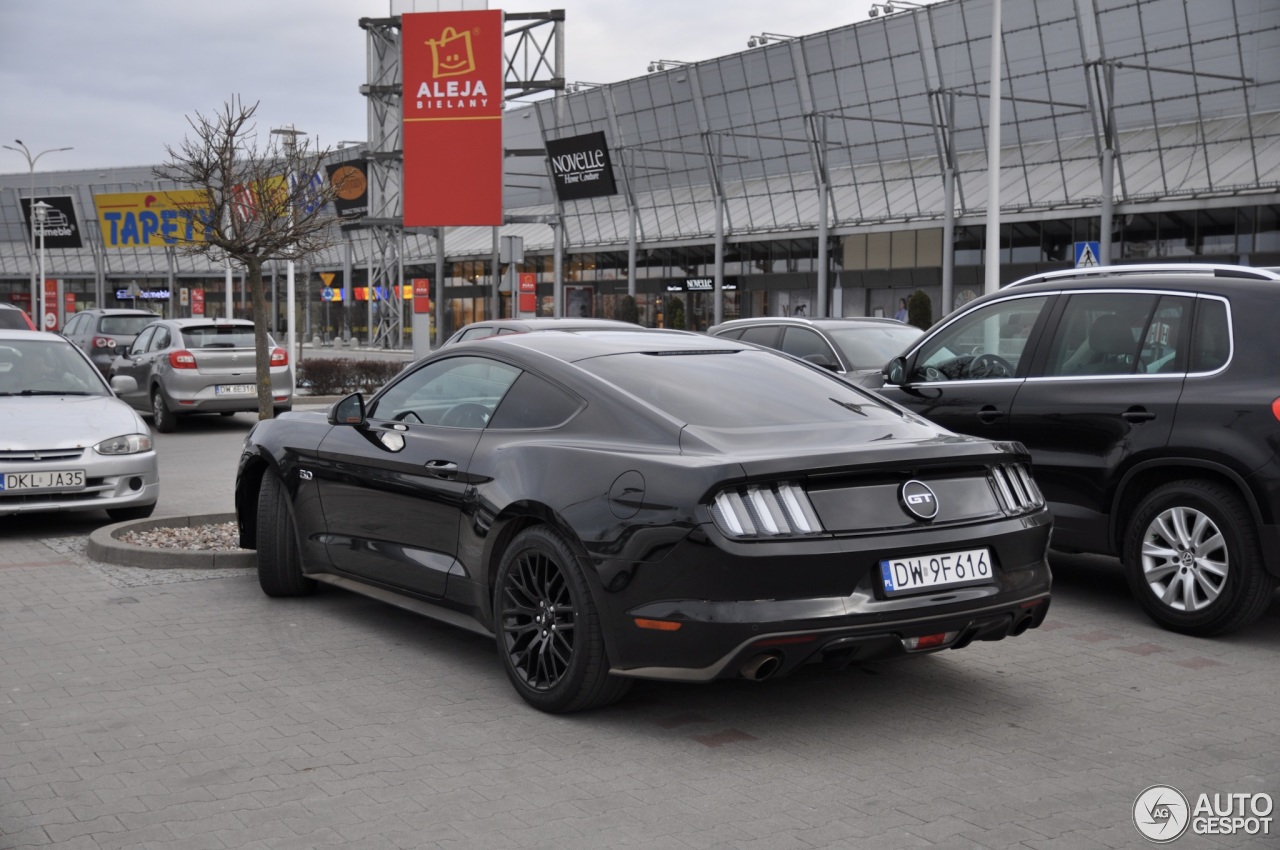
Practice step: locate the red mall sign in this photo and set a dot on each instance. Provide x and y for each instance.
(452, 69)
(421, 295)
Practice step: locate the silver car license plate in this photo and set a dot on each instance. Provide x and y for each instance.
(66, 479)
(235, 389)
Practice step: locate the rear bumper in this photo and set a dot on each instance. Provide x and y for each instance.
(711, 610)
(839, 646)
(206, 399)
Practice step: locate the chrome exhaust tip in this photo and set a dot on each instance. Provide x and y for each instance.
(761, 667)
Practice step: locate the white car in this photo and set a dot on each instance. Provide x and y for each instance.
(66, 442)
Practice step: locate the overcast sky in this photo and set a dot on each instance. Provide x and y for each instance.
(115, 79)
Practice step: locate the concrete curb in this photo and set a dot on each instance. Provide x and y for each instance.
(105, 547)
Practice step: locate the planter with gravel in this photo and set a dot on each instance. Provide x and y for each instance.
(207, 541)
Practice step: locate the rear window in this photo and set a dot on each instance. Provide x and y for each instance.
(217, 336)
(124, 325)
(13, 320)
(735, 389)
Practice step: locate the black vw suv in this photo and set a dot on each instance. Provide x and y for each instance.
(1149, 397)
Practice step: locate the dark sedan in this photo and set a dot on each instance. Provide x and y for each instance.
(614, 506)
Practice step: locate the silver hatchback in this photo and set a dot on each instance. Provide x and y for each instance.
(184, 366)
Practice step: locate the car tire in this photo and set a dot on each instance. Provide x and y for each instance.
(164, 419)
(548, 629)
(1193, 560)
(131, 513)
(279, 557)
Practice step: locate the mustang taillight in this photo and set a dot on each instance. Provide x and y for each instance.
(182, 359)
(279, 357)
(767, 510)
(1016, 488)
(103, 342)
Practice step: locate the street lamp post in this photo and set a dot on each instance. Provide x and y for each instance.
(31, 166)
(39, 215)
(290, 135)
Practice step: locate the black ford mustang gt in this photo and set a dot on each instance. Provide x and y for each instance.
(614, 506)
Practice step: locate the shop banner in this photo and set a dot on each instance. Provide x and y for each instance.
(61, 227)
(581, 167)
(701, 284)
(452, 67)
(151, 219)
(351, 188)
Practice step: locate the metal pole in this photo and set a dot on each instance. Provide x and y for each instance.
(1108, 206)
(718, 311)
(557, 287)
(40, 213)
(822, 247)
(494, 279)
(439, 305)
(631, 250)
(948, 240)
(348, 264)
(31, 201)
(992, 281)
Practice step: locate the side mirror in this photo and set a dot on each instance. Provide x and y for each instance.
(895, 374)
(348, 411)
(123, 384)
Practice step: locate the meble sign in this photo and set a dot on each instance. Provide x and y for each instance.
(151, 219)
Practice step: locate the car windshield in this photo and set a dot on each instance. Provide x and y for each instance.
(46, 367)
(125, 325)
(872, 347)
(218, 336)
(730, 389)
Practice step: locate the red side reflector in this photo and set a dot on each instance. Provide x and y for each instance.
(658, 625)
(1275, 408)
(930, 641)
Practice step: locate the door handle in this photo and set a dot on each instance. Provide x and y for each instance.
(1137, 414)
(442, 468)
(988, 414)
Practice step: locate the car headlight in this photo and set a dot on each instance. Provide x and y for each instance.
(777, 510)
(125, 444)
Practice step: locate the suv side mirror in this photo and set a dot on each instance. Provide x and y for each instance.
(348, 411)
(895, 373)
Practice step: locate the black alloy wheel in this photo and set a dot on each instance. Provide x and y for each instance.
(548, 631)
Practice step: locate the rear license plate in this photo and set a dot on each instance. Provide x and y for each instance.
(67, 479)
(235, 389)
(943, 569)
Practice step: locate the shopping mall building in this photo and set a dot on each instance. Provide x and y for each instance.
(830, 173)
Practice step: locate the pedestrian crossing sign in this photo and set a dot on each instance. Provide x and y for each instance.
(1087, 255)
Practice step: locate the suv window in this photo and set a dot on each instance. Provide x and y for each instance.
(807, 345)
(1117, 333)
(1211, 343)
(987, 343)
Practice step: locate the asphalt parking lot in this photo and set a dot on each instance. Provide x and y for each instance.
(163, 709)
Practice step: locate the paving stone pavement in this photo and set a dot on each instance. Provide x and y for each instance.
(180, 709)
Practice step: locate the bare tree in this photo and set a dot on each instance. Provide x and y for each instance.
(264, 203)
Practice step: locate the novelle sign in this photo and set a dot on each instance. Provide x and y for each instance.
(701, 284)
(452, 67)
(581, 167)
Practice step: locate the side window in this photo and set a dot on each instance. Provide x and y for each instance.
(144, 339)
(766, 336)
(72, 327)
(1211, 341)
(808, 345)
(1164, 347)
(534, 403)
(458, 392)
(732, 333)
(476, 333)
(1101, 333)
(160, 340)
(989, 342)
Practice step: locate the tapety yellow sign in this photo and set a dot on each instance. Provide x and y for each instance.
(151, 219)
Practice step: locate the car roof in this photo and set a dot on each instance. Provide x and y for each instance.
(186, 323)
(542, 322)
(817, 322)
(595, 343)
(27, 336)
(119, 311)
(1217, 270)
